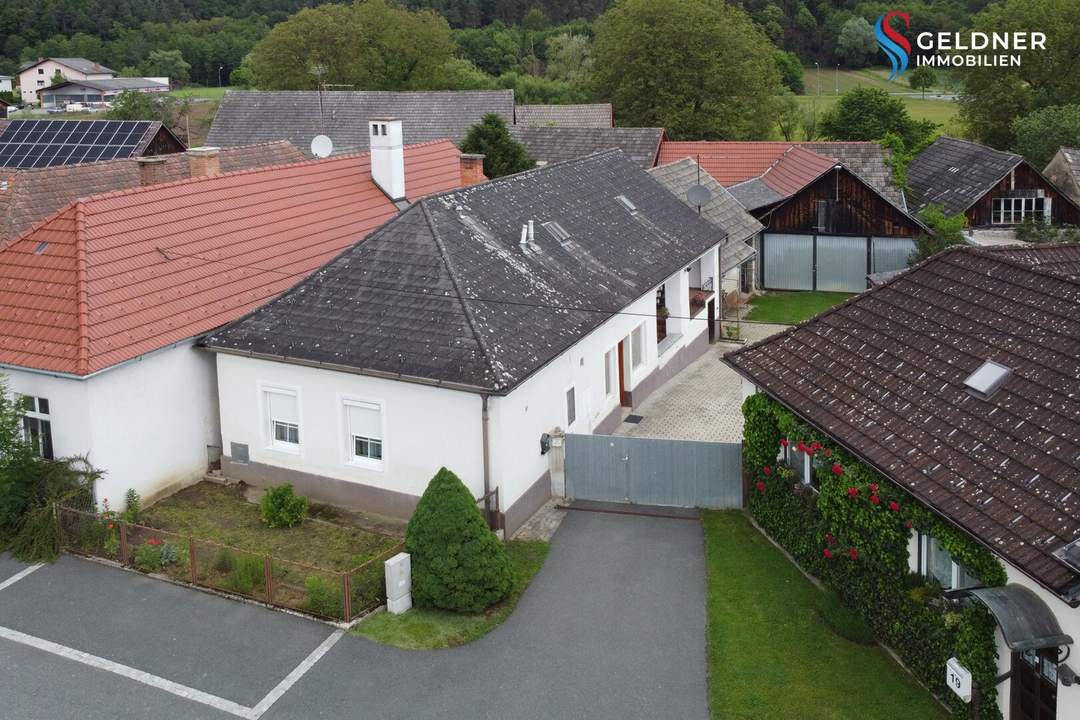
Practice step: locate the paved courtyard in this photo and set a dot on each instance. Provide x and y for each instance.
(703, 402)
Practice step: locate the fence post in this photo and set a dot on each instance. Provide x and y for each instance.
(59, 526)
(268, 575)
(192, 560)
(347, 604)
(123, 543)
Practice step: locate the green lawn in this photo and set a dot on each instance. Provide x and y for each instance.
(210, 93)
(789, 308)
(422, 629)
(770, 655)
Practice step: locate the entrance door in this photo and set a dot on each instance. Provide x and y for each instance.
(712, 320)
(1033, 695)
(624, 397)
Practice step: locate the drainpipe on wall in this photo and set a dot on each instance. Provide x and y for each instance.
(487, 461)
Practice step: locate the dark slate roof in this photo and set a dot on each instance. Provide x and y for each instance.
(883, 374)
(555, 144)
(124, 83)
(86, 67)
(722, 210)
(754, 194)
(955, 173)
(598, 115)
(445, 292)
(250, 116)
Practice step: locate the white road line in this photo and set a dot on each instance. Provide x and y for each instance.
(18, 576)
(145, 678)
(297, 673)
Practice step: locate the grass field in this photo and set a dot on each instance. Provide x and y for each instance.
(789, 308)
(207, 93)
(770, 655)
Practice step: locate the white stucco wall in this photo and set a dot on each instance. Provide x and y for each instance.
(424, 427)
(28, 79)
(146, 423)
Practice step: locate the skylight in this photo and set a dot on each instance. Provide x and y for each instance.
(626, 203)
(40, 249)
(557, 231)
(1070, 554)
(987, 380)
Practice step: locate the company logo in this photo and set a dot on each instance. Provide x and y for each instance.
(895, 46)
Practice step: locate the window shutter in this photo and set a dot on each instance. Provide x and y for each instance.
(283, 408)
(365, 419)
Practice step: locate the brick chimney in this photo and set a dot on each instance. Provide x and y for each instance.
(204, 161)
(151, 170)
(387, 156)
(472, 169)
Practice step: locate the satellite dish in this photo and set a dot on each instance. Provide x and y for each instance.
(322, 146)
(698, 195)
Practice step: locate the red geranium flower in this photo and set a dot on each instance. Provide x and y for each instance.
(109, 526)
(827, 452)
(784, 442)
(853, 491)
(155, 541)
(815, 446)
(830, 538)
(853, 554)
(894, 506)
(873, 487)
(760, 486)
(837, 470)
(827, 553)
(767, 470)
(875, 499)
(909, 524)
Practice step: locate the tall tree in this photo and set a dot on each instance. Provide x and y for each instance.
(167, 63)
(502, 154)
(856, 45)
(1041, 133)
(870, 114)
(922, 78)
(701, 69)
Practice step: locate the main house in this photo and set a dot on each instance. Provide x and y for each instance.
(103, 300)
(831, 212)
(37, 74)
(953, 387)
(463, 331)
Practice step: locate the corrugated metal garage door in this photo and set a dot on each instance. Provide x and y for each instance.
(789, 261)
(841, 263)
(891, 253)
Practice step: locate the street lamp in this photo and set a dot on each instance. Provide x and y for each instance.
(816, 65)
(838, 78)
(220, 68)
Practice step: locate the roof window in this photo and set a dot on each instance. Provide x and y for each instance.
(626, 203)
(987, 380)
(40, 249)
(557, 231)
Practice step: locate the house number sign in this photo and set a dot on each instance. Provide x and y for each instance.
(958, 678)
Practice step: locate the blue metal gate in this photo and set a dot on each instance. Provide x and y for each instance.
(650, 471)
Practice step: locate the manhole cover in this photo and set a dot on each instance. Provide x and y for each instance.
(634, 419)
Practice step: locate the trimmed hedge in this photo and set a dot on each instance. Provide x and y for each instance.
(853, 534)
(457, 562)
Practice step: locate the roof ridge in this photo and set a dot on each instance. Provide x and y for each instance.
(1000, 254)
(489, 359)
(978, 145)
(81, 292)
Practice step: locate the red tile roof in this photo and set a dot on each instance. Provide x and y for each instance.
(796, 168)
(111, 277)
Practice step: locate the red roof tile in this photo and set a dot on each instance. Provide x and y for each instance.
(114, 276)
(795, 169)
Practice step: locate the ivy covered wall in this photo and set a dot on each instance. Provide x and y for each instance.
(853, 533)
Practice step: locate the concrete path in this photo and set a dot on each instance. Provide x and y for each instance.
(613, 626)
(703, 402)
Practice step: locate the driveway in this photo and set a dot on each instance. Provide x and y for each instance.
(613, 626)
(703, 402)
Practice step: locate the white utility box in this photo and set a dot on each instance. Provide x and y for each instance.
(398, 583)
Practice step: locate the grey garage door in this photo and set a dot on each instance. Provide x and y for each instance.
(841, 263)
(788, 261)
(891, 253)
(650, 471)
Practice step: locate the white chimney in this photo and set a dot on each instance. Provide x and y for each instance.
(387, 156)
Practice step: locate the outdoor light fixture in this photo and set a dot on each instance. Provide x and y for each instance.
(545, 443)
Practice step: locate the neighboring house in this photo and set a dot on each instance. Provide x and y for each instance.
(94, 92)
(722, 210)
(46, 143)
(101, 303)
(38, 74)
(463, 331)
(599, 115)
(5, 83)
(991, 188)
(548, 145)
(250, 116)
(956, 380)
(1064, 171)
(831, 213)
(29, 196)
(3, 111)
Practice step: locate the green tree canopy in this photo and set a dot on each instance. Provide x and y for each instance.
(1041, 133)
(791, 71)
(947, 232)
(502, 154)
(856, 45)
(922, 78)
(369, 46)
(869, 114)
(166, 63)
(701, 69)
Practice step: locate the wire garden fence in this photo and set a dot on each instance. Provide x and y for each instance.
(328, 594)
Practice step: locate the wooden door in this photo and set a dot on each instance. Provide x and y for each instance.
(624, 396)
(712, 320)
(1033, 694)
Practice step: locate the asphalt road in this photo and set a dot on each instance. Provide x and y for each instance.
(613, 626)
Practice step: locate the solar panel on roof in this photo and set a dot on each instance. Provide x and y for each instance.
(45, 143)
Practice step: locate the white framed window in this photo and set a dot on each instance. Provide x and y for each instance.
(610, 369)
(37, 424)
(637, 346)
(364, 426)
(1013, 210)
(935, 563)
(571, 406)
(282, 407)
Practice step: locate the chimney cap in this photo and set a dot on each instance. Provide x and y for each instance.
(205, 150)
(388, 118)
(473, 156)
(151, 160)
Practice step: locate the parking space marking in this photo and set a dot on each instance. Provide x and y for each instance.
(297, 673)
(18, 576)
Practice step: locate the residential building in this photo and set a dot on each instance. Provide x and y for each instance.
(3, 111)
(831, 213)
(102, 301)
(550, 144)
(993, 189)
(598, 115)
(38, 74)
(29, 196)
(97, 92)
(5, 83)
(463, 331)
(48, 143)
(1063, 171)
(250, 116)
(955, 381)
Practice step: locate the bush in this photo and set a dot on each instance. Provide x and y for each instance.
(457, 562)
(281, 507)
(223, 561)
(148, 557)
(170, 554)
(843, 621)
(324, 596)
(247, 574)
(132, 506)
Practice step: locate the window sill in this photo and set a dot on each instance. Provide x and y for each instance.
(363, 463)
(667, 343)
(289, 448)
